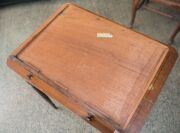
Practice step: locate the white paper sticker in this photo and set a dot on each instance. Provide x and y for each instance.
(104, 35)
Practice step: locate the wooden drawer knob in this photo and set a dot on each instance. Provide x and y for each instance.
(90, 117)
(29, 76)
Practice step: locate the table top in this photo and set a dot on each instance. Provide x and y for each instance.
(98, 62)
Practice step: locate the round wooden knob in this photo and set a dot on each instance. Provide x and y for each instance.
(90, 117)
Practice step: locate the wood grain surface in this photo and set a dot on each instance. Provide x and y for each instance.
(108, 75)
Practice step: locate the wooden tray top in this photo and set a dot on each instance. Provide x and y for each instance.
(102, 65)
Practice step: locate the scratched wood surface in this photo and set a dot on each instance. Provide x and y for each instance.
(111, 75)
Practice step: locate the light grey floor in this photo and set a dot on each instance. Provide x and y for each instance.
(24, 111)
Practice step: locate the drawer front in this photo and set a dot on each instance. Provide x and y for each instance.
(92, 119)
(73, 106)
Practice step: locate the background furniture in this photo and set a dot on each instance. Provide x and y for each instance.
(7, 2)
(175, 4)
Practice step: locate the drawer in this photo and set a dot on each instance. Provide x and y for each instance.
(91, 118)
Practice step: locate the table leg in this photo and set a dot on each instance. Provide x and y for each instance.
(174, 33)
(136, 4)
(44, 96)
(133, 13)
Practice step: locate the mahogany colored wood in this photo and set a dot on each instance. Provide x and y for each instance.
(107, 81)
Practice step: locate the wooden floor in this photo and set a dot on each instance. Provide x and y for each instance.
(24, 111)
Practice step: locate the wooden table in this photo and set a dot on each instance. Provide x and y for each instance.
(107, 74)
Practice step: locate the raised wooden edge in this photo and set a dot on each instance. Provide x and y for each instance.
(54, 16)
(25, 44)
(144, 108)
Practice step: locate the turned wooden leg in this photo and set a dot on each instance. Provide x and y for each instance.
(134, 10)
(174, 33)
